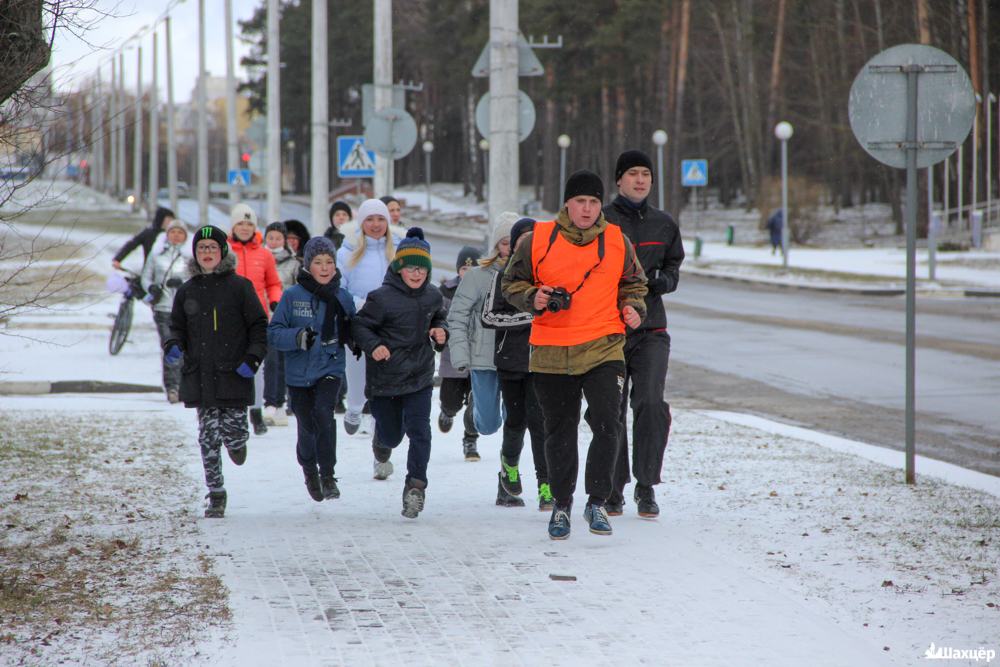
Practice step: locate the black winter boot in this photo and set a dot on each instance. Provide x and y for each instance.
(645, 500)
(257, 420)
(313, 485)
(469, 447)
(216, 504)
(505, 499)
(329, 485)
(413, 498)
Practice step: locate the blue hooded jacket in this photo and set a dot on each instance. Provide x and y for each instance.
(297, 310)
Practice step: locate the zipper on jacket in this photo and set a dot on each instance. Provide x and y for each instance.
(215, 319)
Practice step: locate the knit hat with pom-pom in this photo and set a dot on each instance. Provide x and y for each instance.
(413, 251)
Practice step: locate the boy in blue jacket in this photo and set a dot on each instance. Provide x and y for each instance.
(311, 326)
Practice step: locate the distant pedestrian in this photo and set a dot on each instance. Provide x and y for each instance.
(311, 327)
(456, 387)
(511, 352)
(775, 224)
(255, 263)
(579, 277)
(219, 327)
(288, 265)
(296, 236)
(399, 328)
(146, 238)
(395, 209)
(340, 215)
(658, 246)
(165, 270)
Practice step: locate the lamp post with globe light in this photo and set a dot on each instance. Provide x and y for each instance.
(563, 141)
(428, 147)
(660, 139)
(783, 131)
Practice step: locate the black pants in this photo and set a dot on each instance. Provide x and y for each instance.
(454, 393)
(523, 414)
(317, 428)
(646, 358)
(171, 372)
(560, 398)
(409, 414)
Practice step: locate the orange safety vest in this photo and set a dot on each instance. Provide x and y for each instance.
(593, 312)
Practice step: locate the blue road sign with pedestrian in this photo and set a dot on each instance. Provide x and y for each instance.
(239, 177)
(353, 159)
(694, 173)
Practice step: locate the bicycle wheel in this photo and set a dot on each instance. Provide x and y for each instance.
(121, 327)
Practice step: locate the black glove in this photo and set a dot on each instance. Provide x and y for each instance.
(156, 292)
(274, 306)
(657, 283)
(305, 338)
(175, 282)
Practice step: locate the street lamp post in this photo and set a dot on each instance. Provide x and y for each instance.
(990, 99)
(660, 139)
(783, 131)
(137, 136)
(484, 146)
(974, 199)
(563, 141)
(428, 147)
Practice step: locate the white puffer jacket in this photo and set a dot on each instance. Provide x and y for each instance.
(368, 273)
(166, 262)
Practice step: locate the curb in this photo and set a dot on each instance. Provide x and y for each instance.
(38, 387)
(846, 289)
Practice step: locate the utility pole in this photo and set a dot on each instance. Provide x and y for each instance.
(112, 175)
(320, 153)
(120, 176)
(503, 155)
(384, 184)
(137, 135)
(171, 135)
(202, 122)
(154, 135)
(273, 112)
(232, 142)
(98, 135)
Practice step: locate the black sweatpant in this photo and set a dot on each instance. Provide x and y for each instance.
(646, 358)
(560, 398)
(313, 406)
(523, 414)
(410, 415)
(171, 372)
(454, 393)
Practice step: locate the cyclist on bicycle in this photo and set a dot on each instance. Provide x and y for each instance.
(145, 238)
(165, 270)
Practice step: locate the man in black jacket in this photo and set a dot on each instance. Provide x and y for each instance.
(146, 238)
(657, 241)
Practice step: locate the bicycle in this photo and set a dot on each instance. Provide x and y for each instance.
(122, 326)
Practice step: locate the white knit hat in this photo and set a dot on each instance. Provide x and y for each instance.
(242, 212)
(372, 207)
(502, 226)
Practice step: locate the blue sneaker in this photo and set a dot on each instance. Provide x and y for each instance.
(559, 523)
(597, 517)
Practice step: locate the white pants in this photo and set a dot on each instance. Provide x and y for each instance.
(355, 383)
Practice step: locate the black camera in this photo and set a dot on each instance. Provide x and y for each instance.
(559, 299)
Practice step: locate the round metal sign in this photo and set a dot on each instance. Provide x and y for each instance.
(525, 115)
(946, 104)
(391, 133)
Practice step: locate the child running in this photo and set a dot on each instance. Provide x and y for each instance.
(400, 326)
(311, 326)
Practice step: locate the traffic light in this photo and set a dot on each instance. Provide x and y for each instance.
(246, 156)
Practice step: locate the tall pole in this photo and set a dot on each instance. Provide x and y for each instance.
(137, 135)
(428, 149)
(504, 157)
(660, 139)
(154, 134)
(784, 203)
(273, 112)
(98, 134)
(384, 184)
(961, 187)
(974, 200)
(320, 154)
(171, 135)
(112, 175)
(911, 268)
(120, 176)
(933, 220)
(946, 192)
(232, 142)
(563, 141)
(202, 121)
(989, 155)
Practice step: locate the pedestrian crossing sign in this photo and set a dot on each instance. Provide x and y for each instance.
(694, 173)
(353, 159)
(239, 176)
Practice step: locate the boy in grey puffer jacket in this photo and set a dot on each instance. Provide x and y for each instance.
(165, 270)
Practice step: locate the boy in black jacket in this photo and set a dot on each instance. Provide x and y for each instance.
(400, 326)
(219, 326)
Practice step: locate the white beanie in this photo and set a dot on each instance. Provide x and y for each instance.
(242, 212)
(177, 223)
(372, 207)
(502, 226)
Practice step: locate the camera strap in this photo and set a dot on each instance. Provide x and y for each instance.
(600, 255)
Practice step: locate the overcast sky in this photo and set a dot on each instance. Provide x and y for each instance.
(75, 59)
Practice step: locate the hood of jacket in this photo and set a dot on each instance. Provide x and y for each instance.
(227, 265)
(574, 234)
(281, 254)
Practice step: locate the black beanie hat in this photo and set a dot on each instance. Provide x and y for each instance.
(467, 256)
(583, 182)
(340, 205)
(387, 199)
(522, 226)
(161, 213)
(629, 159)
(210, 232)
(277, 227)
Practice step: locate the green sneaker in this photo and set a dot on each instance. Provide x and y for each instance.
(544, 497)
(510, 478)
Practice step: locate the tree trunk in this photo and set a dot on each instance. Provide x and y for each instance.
(775, 84)
(730, 93)
(683, 38)
(550, 153)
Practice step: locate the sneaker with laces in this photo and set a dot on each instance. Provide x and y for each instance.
(313, 485)
(328, 483)
(352, 421)
(559, 523)
(544, 497)
(505, 499)
(382, 466)
(510, 477)
(367, 426)
(445, 421)
(216, 504)
(615, 505)
(237, 455)
(413, 498)
(645, 500)
(280, 418)
(597, 516)
(269, 412)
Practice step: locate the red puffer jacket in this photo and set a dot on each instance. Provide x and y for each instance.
(256, 263)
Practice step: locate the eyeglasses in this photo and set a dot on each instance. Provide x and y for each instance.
(208, 249)
(416, 270)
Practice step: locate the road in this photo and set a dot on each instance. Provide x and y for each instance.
(835, 362)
